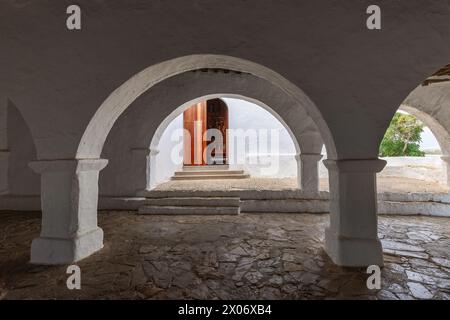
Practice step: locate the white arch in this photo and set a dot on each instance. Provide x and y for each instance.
(440, 132)
(92, 141)
(156, 106)
(442, 135)
(151, 165)
(163, 126)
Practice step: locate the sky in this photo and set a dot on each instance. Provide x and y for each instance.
(429, 142)
(243, 114)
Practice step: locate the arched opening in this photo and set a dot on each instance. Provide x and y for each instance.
(262, 150)
(440, 133)
(414, 146)
(80, 177)
(127, 147)
(415, 180)
(19, 185)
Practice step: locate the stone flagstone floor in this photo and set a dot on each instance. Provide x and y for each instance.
(270, 256)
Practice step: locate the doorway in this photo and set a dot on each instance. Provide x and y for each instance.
(205, 133)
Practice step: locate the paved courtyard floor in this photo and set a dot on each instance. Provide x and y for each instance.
(266, 256)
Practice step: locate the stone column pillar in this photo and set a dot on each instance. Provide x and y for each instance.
(141, 178)
(308, 171)
(152, 181)
(446, 160)
(69, 196)
(352, 237)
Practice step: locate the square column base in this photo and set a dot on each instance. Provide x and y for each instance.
(56, 251)
(353, 252)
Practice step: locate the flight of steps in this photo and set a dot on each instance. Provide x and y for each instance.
(208, 173)
(191, 206)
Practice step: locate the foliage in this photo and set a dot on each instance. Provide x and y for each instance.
(402, 138)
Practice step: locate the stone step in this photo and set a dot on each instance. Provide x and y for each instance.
(188, 210)
(243, 194)
(209, 172)
(210, 177)
(206, 168)
(194, 201)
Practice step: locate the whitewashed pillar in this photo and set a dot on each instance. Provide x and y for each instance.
(308, 171)
(152, 169)
(69, 196)
(352, 237)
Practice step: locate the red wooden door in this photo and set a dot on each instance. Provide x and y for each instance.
(194, 123)
(211, 114)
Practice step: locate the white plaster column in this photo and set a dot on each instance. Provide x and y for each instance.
(308, 171)
(352, 237)
(69, 196)
(446, 160)
(141, 164)
(152, 179)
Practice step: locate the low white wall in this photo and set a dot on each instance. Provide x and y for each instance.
(271, 166)
(428, 168)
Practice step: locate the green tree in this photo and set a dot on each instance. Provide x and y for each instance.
(402, 138)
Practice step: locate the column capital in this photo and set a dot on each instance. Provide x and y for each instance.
(356, 166)
(81, 165)
(308, 171)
